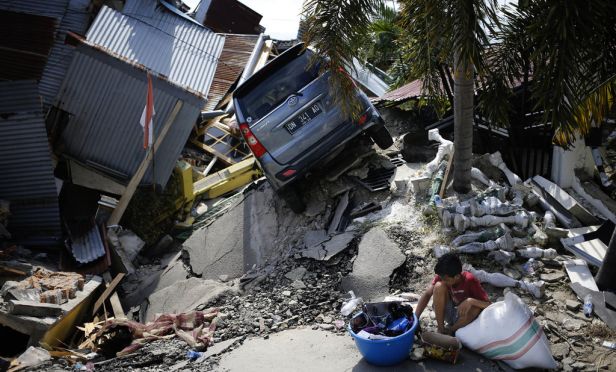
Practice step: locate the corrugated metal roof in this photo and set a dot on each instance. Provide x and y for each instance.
(25, 41)
(104, 97)
(26, 169)
(76, 19)
(71, 15)
(410, 90)
(184, 52)
(233, 59)
(88, 247)
(48, 8)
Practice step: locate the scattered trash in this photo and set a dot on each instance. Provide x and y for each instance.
(588, 306)
(440, 346)
(349, 306)
(609, 345)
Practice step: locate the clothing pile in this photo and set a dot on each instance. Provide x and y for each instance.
(383, 320)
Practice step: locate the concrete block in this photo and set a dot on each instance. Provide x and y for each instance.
(34, 309)
(420, 184)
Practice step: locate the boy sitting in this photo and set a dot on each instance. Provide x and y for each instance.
(457, 296)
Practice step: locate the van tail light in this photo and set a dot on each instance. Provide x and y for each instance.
(255, 146)
(362, 119)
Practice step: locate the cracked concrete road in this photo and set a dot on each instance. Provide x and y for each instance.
(310, 350)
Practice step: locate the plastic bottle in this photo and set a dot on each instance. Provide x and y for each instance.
(351, 304)
(529, 267)
(193, 355)
(588, 306)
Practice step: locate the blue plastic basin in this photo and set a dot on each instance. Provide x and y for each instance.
(386, 352)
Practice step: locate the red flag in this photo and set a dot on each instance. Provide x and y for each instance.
(147, 121)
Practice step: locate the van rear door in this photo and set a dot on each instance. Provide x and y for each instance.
(289, 110)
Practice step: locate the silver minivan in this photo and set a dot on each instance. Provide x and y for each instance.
(291, 120)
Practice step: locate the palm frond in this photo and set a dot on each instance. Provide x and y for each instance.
(334, 29)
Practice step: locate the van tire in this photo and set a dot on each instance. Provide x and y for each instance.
(293, 199)
(380, 135)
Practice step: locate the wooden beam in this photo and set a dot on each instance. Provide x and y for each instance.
(118, 311)
(446, 176)
(116, 216)
(110, 288)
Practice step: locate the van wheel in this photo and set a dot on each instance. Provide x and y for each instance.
(380, 135)
(293, 199)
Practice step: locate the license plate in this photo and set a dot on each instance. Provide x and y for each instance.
(303, 118)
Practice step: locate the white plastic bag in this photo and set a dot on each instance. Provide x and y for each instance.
(507, 331)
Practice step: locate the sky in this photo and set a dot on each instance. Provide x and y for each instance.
(280, 17)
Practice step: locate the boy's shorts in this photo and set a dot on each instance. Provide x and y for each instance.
(451, 313)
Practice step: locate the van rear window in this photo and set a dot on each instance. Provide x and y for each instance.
(277, 86)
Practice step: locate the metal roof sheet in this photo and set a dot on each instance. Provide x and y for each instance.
(25, 41)
(75, 19)
(88, 247)
(233, 59)
(48, 8)
(26, 169)
(105, 97)
(410, 90)
(70, 15)
(187, 54)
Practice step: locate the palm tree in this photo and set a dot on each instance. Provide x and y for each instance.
(456, 29)
(567, 50)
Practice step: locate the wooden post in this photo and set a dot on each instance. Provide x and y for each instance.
(143, 167)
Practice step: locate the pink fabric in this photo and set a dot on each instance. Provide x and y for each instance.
(195, 328)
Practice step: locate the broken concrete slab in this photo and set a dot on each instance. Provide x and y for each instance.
(592, 250)
(296, 274)
(342, 206)
(567, 201)
(315, 237)
(579, 273)
(186, 295)
(572, 305)
(552, 277)
(420, 184)
(377, 258)
(139, 286)
(34, 309)
(256, 228)
(329, 248)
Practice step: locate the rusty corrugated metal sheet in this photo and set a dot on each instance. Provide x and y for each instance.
(26, 169)
(187, 54)
(25, 42)
(233, 59)
(410, 90)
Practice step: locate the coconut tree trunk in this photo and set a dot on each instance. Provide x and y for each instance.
(606, 277)
(463, 124)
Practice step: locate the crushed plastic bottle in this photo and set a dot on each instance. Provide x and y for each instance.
(193, 355)
(588, 306)
(529, 267)
(351, 304)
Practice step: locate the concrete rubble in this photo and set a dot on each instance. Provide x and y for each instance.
(211, 270)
